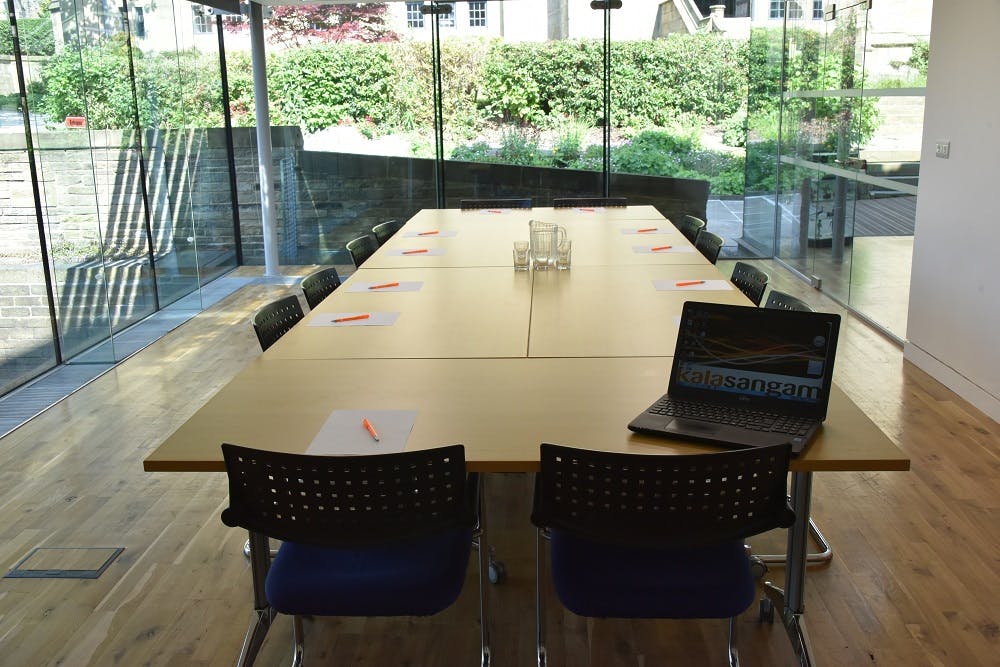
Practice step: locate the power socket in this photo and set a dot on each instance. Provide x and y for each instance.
(942, 149)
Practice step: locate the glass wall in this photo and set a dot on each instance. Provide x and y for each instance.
(851, 128)
(122, 169)
(27, 346)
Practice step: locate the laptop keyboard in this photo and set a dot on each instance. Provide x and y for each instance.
(752, 419)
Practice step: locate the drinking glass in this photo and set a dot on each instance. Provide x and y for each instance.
(520, 255)
(564, 254)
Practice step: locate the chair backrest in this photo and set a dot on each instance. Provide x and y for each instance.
(784, 301)
(468, 204)
(384, 230)
(751, 281)
(709, 245)
(348, 501)
(273, 321)
(362, 248)
(320, 284)
(663, 500)
(576, 202)
(689, 226)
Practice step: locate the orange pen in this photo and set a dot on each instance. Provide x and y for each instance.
(383, 286)
(494, 210)
(352, 318)
(430, 233)
(660, 247)
(587, 209)
(371, 429)
(647, 229)
(686, 283)
(414, 252)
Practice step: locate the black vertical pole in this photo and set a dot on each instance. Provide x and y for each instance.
(230, 145)
(607, 100)
(33, 171)
(435, 11)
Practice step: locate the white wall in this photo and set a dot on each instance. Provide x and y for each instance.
(954, 316)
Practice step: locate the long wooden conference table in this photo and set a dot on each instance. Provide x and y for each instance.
(502, 361)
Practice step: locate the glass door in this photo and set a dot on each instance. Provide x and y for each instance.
(825, 116)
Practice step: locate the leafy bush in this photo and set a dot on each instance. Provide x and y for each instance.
(172, 90)
(318, 86)
(36, 37)
(651, 80)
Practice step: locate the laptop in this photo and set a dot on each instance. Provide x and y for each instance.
(746, 377)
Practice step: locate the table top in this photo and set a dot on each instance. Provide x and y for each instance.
(494, 359)
(500, 409)
(454, 238)
(615, 311)
(456, 312)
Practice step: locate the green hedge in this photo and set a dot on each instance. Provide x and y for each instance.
(36, 37)
(180, 89)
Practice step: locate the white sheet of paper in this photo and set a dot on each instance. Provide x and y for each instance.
(705, 286)
(648, 249)
(373, 320)
(659, 229)
(441, 234)
(344, 435)
(401, 252)
(403, 286)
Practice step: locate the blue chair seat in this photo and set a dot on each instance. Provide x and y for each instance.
(611, 581)
(416, 578)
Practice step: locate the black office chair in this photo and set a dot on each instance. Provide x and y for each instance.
(655, 536)
(362, 248)
(709, 245)
(689, 226)
(784, 301)
(320, 284)
(470, 204)
(582, 202)
(751, 281)
(274, 320)
(406, 521)
(384, 230)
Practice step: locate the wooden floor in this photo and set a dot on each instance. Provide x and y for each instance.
(913, 581)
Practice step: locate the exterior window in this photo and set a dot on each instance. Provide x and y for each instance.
(447, 20)
(414, 19)
(817, 10)
(777, 9)
(203, 21)
(477, 14)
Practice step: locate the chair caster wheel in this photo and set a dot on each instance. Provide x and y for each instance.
(758, 568)
(765, 610)
(497, 572)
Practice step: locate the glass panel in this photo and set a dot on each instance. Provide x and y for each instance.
(765, 49)
(677, 116)
(522, 116)
(186, 162)
(351, 123)
(113, 86)
(68, 179)
(825, 115)
(26, 344)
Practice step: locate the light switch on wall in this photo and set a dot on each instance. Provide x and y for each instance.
(942, 149)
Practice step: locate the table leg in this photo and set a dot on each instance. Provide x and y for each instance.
(795, 569)
(260, 562)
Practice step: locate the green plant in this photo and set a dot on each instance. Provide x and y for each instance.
(178, 89)
(35, 36)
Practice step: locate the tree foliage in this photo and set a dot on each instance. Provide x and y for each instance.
(299, 25)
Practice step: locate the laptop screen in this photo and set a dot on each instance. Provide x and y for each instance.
(758, 357)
